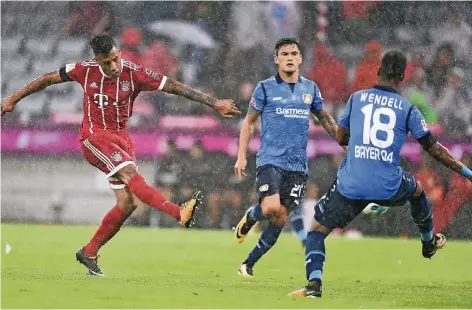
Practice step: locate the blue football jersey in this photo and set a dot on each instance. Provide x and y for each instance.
(285, 116)
(378, 120)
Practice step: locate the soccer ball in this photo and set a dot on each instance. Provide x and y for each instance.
(374, 209)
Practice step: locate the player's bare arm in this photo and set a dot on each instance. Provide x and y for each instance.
(246, 131)
(329, 124)
(342, 136)
(444, 156)
(48, 79)
(225, 107)
(327, 121)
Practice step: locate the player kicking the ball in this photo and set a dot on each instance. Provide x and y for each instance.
(375, 125)
(111, 84)
(285, 102)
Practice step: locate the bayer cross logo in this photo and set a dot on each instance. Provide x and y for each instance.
(116, 156)
(307, 98)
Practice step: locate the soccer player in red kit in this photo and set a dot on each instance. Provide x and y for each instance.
(111, 84)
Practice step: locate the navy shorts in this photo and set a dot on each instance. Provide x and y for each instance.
(334, 210)
(271, 180)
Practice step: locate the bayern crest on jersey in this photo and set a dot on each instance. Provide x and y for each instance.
(307, 98)
(116, 156)
(125, 85)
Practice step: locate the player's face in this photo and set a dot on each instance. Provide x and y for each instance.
(289, 58)
(111, 63)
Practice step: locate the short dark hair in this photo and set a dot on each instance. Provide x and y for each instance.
(102, 44)
(393, 66)
(286, 41)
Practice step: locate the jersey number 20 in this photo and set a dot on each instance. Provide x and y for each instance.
(370, 133)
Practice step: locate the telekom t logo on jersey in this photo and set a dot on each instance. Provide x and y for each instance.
(101, 100)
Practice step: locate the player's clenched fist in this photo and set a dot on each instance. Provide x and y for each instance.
(226, 108)
(239, 167)
(8, 105)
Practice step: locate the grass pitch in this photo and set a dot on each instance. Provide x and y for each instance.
(148, 268)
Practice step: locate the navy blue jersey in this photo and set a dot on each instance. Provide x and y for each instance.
(285, 116)
(378, 120)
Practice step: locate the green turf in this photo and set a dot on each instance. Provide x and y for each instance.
(197, 269)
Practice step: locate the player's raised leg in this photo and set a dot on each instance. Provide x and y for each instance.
(151, 196)
(422, 215)
(126, 203)
(114, 155)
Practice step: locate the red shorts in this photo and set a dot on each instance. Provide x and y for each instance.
(109, 152)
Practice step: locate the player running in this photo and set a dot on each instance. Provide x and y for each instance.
(285, 102)
(375, 125)
(111, 84)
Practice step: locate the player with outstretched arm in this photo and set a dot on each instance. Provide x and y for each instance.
(375, 125)
(111, 84)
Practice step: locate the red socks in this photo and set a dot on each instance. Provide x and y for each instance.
(115, 218)
(152, 197)
(111, 224)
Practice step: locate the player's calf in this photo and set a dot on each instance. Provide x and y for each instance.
(267, 240)
(296, 221)
(421, 213)
(152, 197)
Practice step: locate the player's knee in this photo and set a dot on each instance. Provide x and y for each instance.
(280, 219)
(419, 190)
(315, 226)
(127, 173)
(127, 205)
(271, 205)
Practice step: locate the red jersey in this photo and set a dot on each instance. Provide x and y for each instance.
(108, 102)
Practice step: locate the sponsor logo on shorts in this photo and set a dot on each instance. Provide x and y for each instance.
(125, 85)
(307, 98)
(264, 188)
(116, 156)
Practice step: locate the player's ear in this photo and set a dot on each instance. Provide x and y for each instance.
(276, 59)
(378, 72)
(402, 77)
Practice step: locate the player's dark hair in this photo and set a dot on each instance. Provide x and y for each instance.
(102, 44)
(393, 67)
(286, 41)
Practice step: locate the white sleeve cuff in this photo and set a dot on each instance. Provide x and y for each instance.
(163, 82)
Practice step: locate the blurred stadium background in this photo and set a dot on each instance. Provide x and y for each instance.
(224, 48)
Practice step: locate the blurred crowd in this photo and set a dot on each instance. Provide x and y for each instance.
(438, 74)
(224, 48)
